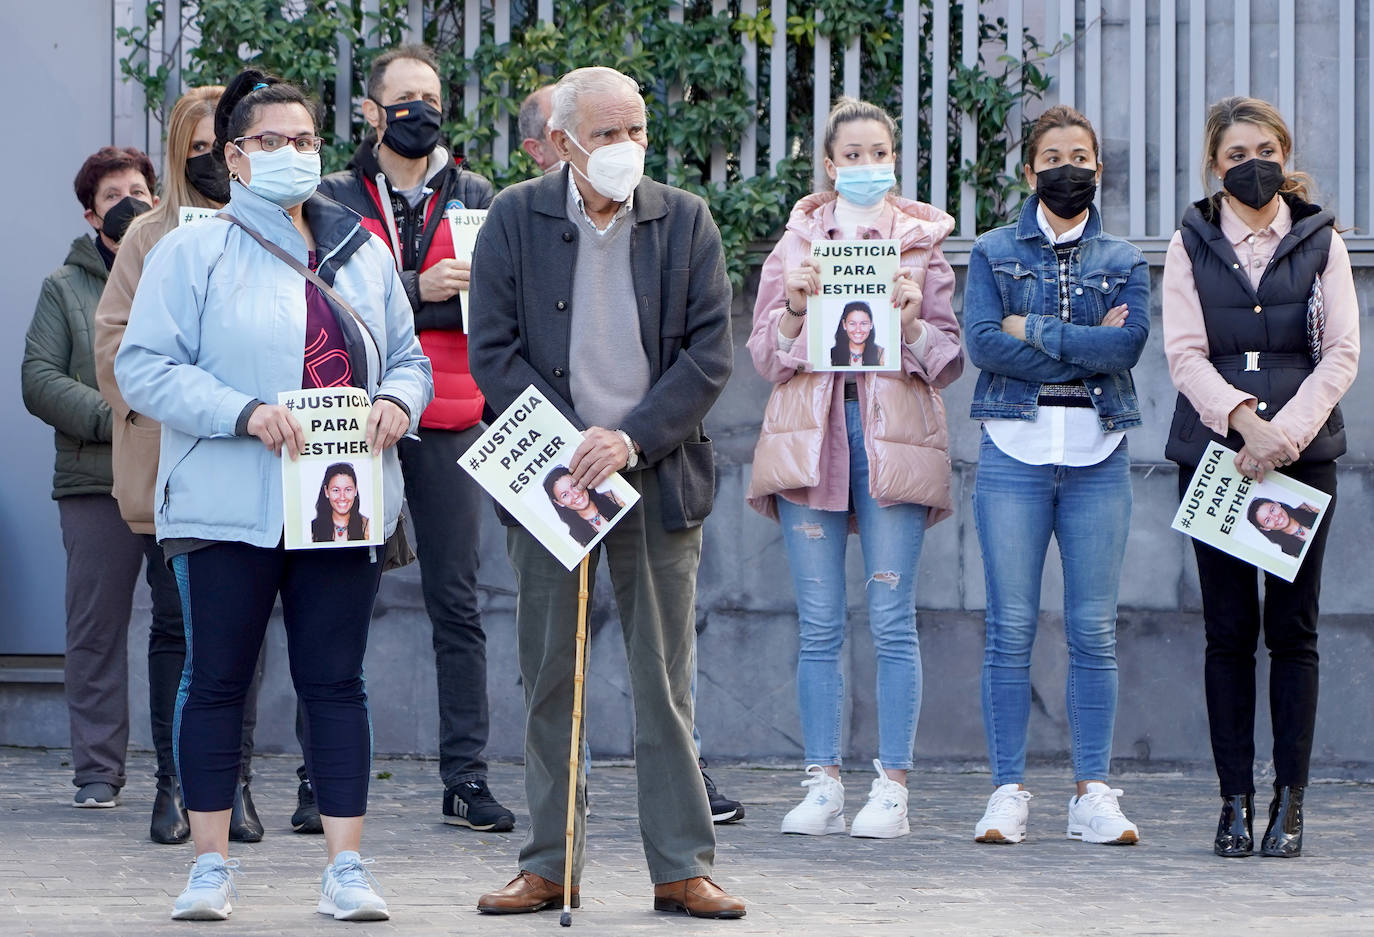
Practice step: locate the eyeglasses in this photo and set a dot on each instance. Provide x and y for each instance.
(305, 143)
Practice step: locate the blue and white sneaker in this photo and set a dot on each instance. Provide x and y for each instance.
(206, 897)
(822, 811)
(349, 892)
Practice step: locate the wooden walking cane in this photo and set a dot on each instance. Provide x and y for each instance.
(574, 747)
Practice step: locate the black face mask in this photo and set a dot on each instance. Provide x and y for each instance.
(209, 175)
(118, 218)
(1254, 182)
(412, 128)
(1066, 190)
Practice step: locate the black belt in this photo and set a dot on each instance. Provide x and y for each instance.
(851, 390)
(1261, 360)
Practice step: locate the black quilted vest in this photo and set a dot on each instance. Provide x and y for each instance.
(1241, 320)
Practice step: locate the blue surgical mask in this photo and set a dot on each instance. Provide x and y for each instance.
(285, 176)
(865, 185)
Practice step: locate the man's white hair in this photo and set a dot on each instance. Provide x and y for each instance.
(597, 79)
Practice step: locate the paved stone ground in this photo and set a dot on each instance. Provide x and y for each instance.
(94, 872)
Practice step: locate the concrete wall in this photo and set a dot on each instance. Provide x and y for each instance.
(746, 622)
(61, 116)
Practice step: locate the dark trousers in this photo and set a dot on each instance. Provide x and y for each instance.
(327, 595)
(167, 658)
(654, 574)
(103, 558)
(1234, 616)
(445, 509)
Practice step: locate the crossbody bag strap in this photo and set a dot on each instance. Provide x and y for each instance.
(310, 275)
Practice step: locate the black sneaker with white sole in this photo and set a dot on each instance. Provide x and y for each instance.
(471, 804)
(723, 809)
(306, 819)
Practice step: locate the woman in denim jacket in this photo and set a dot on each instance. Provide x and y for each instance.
(1056, 313)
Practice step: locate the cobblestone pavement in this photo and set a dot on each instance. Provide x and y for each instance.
(94, 872)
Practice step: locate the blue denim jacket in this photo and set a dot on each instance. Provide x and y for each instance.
(1013, 271)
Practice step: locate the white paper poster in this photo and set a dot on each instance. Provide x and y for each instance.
(522, 461)
(851, 323)
(331, 493)
(1269, 523)
(463, 225)
(190, 213)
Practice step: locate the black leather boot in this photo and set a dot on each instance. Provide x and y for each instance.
(244, 825)
(1283, 839)
(1236, 829)
(170, 825)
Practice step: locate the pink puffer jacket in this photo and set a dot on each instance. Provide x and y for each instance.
(803, 451)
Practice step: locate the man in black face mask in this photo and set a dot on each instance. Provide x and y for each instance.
(103, 556)
(402, 181)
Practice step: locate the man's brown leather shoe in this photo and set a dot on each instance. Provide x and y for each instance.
(699, 897)
(526, 892)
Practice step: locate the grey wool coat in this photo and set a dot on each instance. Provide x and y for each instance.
(521, 301)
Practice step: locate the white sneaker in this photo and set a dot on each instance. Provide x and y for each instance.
(823, 809)
(349, 892)
(1005, 819)
(884, 816)
(206, 897)
(1096, 817)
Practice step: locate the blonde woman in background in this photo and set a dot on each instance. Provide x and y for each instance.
(194, 176)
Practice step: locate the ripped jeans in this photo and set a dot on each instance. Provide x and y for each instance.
(891, 541)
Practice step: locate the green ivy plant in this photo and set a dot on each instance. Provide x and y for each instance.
(691, 72)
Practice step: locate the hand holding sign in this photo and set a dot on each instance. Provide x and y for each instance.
(277, 428)
(444, 280)
(601, 452)
(1266, 446)
(559, 483)
(386, 424)
(907, 297)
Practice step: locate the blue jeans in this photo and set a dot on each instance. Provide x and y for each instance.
(891, 541)
(1088, 509)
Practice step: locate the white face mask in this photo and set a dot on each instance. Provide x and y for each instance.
(613, 170)
(285, 176)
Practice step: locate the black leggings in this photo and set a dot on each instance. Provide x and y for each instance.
(1234, 617)
(227, 594)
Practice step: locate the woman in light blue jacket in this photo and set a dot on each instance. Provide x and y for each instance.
(219, 326)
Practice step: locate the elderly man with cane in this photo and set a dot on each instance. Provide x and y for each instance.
(608, 292)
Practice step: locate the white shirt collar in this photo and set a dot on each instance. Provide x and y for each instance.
(625, 207)
(1072, 234)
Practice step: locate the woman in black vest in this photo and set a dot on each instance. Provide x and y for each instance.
(1262, 337)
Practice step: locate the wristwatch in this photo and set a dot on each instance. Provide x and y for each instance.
(633, 460)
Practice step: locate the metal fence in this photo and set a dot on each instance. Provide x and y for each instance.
(1144, 72)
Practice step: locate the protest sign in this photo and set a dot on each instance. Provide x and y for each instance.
(522, 461)
(463, 225)
(852, 324)
(190, 213)
(332, 493)
(1269, 523)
